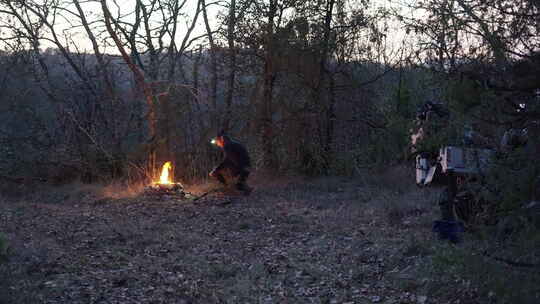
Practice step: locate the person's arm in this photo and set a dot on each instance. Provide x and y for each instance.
(221, 165)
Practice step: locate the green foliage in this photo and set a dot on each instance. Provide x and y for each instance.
(313, 160)
(3, 248)
(405, 107)
(512, 181)
(465, 95)
(388, 144)
(506, 189)
(489, 276)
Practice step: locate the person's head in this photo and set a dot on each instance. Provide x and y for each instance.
(221, 139)
(220, 142)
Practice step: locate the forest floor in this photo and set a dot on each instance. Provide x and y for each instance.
(293, 240)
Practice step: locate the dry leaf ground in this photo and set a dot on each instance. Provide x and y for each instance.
(294, 240)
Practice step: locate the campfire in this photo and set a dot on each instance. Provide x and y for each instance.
(165, 184)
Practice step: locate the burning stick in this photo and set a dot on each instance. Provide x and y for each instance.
(165, 185)
(164, 178)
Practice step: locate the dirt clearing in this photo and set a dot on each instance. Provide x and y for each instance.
(331, 240)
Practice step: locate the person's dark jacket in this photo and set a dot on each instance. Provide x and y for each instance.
(235, 156)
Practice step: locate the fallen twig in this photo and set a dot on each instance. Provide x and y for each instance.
(510, 262)
(206, 193)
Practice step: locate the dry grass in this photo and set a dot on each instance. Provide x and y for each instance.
(294, 240)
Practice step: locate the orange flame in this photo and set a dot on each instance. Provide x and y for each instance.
(165, 176)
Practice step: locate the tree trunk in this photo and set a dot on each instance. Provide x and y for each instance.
(152, 69)
(232, 64)
(213, 61)
(329, 108)
(330, 120)
(266, 136)
(141, 83)
(172, 47)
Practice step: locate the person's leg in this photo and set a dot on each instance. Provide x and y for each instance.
(241, 185)
(221, 178)
(218, 174)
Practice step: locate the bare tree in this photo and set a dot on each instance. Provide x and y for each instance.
(213, 59)
(231, 24)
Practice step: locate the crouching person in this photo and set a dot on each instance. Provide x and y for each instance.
(236, 160)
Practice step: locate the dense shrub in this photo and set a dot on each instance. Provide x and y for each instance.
(3, 248)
